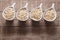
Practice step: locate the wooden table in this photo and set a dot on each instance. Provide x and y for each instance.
(29, 30)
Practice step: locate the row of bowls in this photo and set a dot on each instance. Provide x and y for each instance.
(23, 14)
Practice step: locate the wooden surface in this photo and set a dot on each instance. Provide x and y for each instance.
(29, 30)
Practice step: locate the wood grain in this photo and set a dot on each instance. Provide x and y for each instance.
(29, 30)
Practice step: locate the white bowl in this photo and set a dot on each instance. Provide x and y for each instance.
(4, 13)
(26, 10)
(40, 8)
(54, 14)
